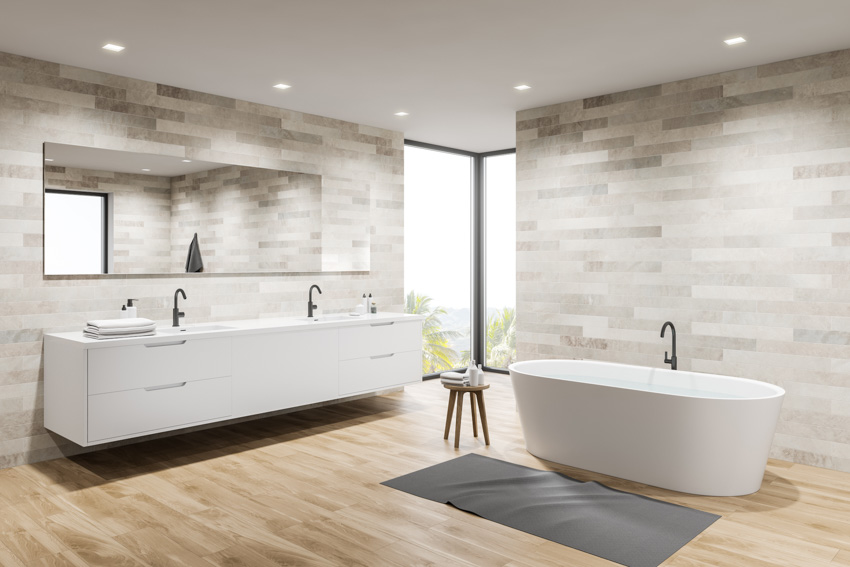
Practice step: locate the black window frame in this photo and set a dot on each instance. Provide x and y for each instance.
(104, 224)
(478, 308)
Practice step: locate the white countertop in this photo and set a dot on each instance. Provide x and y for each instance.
(243, 327)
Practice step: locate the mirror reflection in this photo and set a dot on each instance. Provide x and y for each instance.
(165, 214)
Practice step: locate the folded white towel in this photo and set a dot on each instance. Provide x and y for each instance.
(120, 323)
(455, 378)
(119, 332)
(100, 336)
(454, 375)
(119, 328)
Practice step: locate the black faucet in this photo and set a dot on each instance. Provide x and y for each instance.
(176, 313)
(310, 304)
(672, 360)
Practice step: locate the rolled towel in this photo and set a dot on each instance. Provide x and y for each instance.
(134, 322)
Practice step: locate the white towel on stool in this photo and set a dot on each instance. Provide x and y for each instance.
(454, 378)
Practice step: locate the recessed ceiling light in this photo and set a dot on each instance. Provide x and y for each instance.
(145, 169)
(522, 87)
(187, 161)
(402, 113)
(113, 47)
(47, 159)
(281, 86)
(734, 41)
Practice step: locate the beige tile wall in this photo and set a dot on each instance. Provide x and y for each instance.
(248, 219)
(47, 102)
(721, 203)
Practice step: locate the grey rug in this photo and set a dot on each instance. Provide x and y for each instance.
(618, 526)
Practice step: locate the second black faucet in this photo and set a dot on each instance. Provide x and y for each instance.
(672, 360)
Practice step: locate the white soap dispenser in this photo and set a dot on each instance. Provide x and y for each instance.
(123, 312)
(131, 309)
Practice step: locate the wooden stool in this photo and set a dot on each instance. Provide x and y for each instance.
(474, 392)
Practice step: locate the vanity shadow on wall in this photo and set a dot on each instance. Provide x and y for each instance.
(114, 212)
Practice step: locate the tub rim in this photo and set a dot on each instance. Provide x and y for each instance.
(775, 390)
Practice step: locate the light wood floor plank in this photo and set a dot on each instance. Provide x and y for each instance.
(198, 537)
(155, 548)
(7, 557)
(841, 559)
(88, 540)
(29, 545)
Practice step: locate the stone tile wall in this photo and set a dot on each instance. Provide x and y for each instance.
(248, 220)
(42, 102)
(721, 203)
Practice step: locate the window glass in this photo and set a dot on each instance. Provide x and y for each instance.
(437, 248)
(75, 232)
(500, 259)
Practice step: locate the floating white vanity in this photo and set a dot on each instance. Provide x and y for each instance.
(97, 391)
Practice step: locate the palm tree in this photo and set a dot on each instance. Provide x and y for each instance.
(501, 338)
(436, 353)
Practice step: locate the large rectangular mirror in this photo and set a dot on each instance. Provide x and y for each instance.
(114, 212)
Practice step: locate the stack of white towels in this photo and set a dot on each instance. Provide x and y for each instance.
(455, 378)
(119, 328)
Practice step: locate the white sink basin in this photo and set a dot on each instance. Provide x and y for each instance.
(198, 329)
(331, 317)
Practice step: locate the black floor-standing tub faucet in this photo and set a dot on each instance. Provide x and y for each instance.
(672, 360)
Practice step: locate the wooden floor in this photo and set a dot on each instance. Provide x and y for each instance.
(304, 489)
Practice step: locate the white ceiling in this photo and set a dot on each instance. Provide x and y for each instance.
(450, 63)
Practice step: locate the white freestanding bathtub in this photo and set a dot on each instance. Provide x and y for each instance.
(697, 433)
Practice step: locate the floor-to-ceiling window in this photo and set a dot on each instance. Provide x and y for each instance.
(460, 254)
(500, 259)
(437, 252)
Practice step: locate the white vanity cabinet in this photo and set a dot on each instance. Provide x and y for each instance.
(281, 370)
(382, 354)
(107, 394)
(101, 391)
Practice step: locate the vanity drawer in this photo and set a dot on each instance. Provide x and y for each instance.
(141, 411)
(379, 338)
(114, 369)
(382, 371)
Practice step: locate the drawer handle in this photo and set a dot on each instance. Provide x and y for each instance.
(166, 387)
(382, 356)
(172, 343)
(382, 324)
